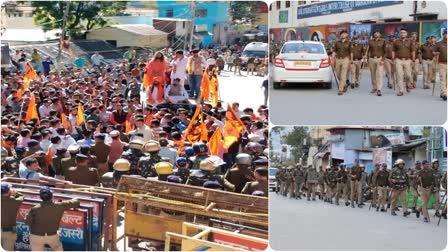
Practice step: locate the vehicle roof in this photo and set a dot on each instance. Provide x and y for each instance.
(256, 45)
(303, 41)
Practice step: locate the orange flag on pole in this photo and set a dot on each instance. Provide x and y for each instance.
(232, 116)
(65, 122)
(31, 112)
(49, 156)
(19, 94)
(231, 134)
(26, 83)
(205, 86)
(214, 86)
(128, 127)
(80, 119)
(30, 73)
(215, 142)
(145, 81)
(196, 132)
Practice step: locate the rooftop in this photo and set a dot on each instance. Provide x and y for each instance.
(139, 29)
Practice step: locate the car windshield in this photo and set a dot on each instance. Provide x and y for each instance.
(259, 54)
(303, 48)
(273, 171)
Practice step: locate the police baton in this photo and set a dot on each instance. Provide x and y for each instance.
(334, 74)
(434, 83)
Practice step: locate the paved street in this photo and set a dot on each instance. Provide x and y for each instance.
(315, 225)
(307, 105)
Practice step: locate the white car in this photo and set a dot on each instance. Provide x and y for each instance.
(302, 62)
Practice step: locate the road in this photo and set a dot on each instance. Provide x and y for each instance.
(308, 105)
(315, 225)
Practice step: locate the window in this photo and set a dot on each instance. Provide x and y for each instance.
(169, 13)
(278, 4)
(200, 13)
(270, 7)
(301, 2)
(183, 25)
(288, 4)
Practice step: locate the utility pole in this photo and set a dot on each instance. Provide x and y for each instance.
(64, 29)
(193, 15)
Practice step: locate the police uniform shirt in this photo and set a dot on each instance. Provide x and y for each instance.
(83, 176)
(377, 48)
(382, 178)
(10, 205)
(441, 49)
(357, 50)
(403, 49)
(426, 176)
(342, 49)
(259, 185)
(426, 51)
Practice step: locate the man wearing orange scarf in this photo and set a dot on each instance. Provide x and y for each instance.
(156, 77)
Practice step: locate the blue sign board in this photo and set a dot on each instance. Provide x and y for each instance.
(334, 7)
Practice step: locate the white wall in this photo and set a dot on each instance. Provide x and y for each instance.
(378, 14)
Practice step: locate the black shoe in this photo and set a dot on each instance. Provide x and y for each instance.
(437, 214)
(444, 215)
(397, 209)
(359, 206)
(425, 219)
(352, 86)
(353, 206)
(393, 213)
(314, 199)
(414, 210)
(378, 93)
(417, 214)
(346, 203)
(383, 210)
(444, 97)
(374, 205)
(406, 213)
(378, 208)
(362, 204)
(308, 199)
(337, 203)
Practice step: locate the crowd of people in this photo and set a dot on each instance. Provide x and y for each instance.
(354, 185)
(88, 123)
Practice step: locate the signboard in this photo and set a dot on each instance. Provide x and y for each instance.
(395, 138)
(332, 32)
(394, 28)
(73, 231)
(317, 33)
(283, 16)
(362, 31)
(416, 130)
(97, 216)
(382, 155)
(335, 7)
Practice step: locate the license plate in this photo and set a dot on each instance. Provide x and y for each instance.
(302, 63)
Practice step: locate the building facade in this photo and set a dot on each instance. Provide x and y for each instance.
(211, 19)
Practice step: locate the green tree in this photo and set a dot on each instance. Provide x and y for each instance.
(82, 15)
(245, 12)
(296, 139)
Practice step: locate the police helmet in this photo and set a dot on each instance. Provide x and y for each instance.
(243, 159)
(151, 146)
(136, 144)
(399, 161)
(181, 161)
(207, 165)
(45, 193)
(122, 164)
(189, 151)
(200, 147)
(164, 168)
(253, 148)
(435, 160)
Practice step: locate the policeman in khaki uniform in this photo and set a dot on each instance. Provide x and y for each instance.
(341, 57)
(357, 53)
(436, 188)
(299, 179)
(311, 182)
(403, 54)
(342, 185)
(66, 163)
(11, 202)
(331, 180)
(382, 182)
(372, 183)
(83, 174)
(240, 173)
(376, 52)
(398, 179)
(426, 57)
(413, 177)
(416, 45)
(440, 51)
(389, 65)
(163, 169)
(261, 181)
(43, 220)
(121, 167)
(426, 183)
(355, 185)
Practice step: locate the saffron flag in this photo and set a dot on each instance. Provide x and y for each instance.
(232, 116)
(231, 133)
(31, 112)
(30, 73)
(49, 156)
(128, 127)
(65, 122)
(196, 130)
(215, 142)
(205, 86)
(80, 119)
(145, 81)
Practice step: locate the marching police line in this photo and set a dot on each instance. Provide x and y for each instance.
(397, 57)
(353, 183)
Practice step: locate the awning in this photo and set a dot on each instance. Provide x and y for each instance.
(322, 152)
(408, 146)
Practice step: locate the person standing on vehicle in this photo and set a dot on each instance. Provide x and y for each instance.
(341, 57)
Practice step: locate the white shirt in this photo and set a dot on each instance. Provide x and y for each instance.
(176, 98)
(170, 153)
(146, 131)
(44, 145)
(44, 111)
(181, 68)
(67, 141)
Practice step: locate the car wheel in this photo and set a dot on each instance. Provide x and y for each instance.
(276, 85)
(327, 85)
